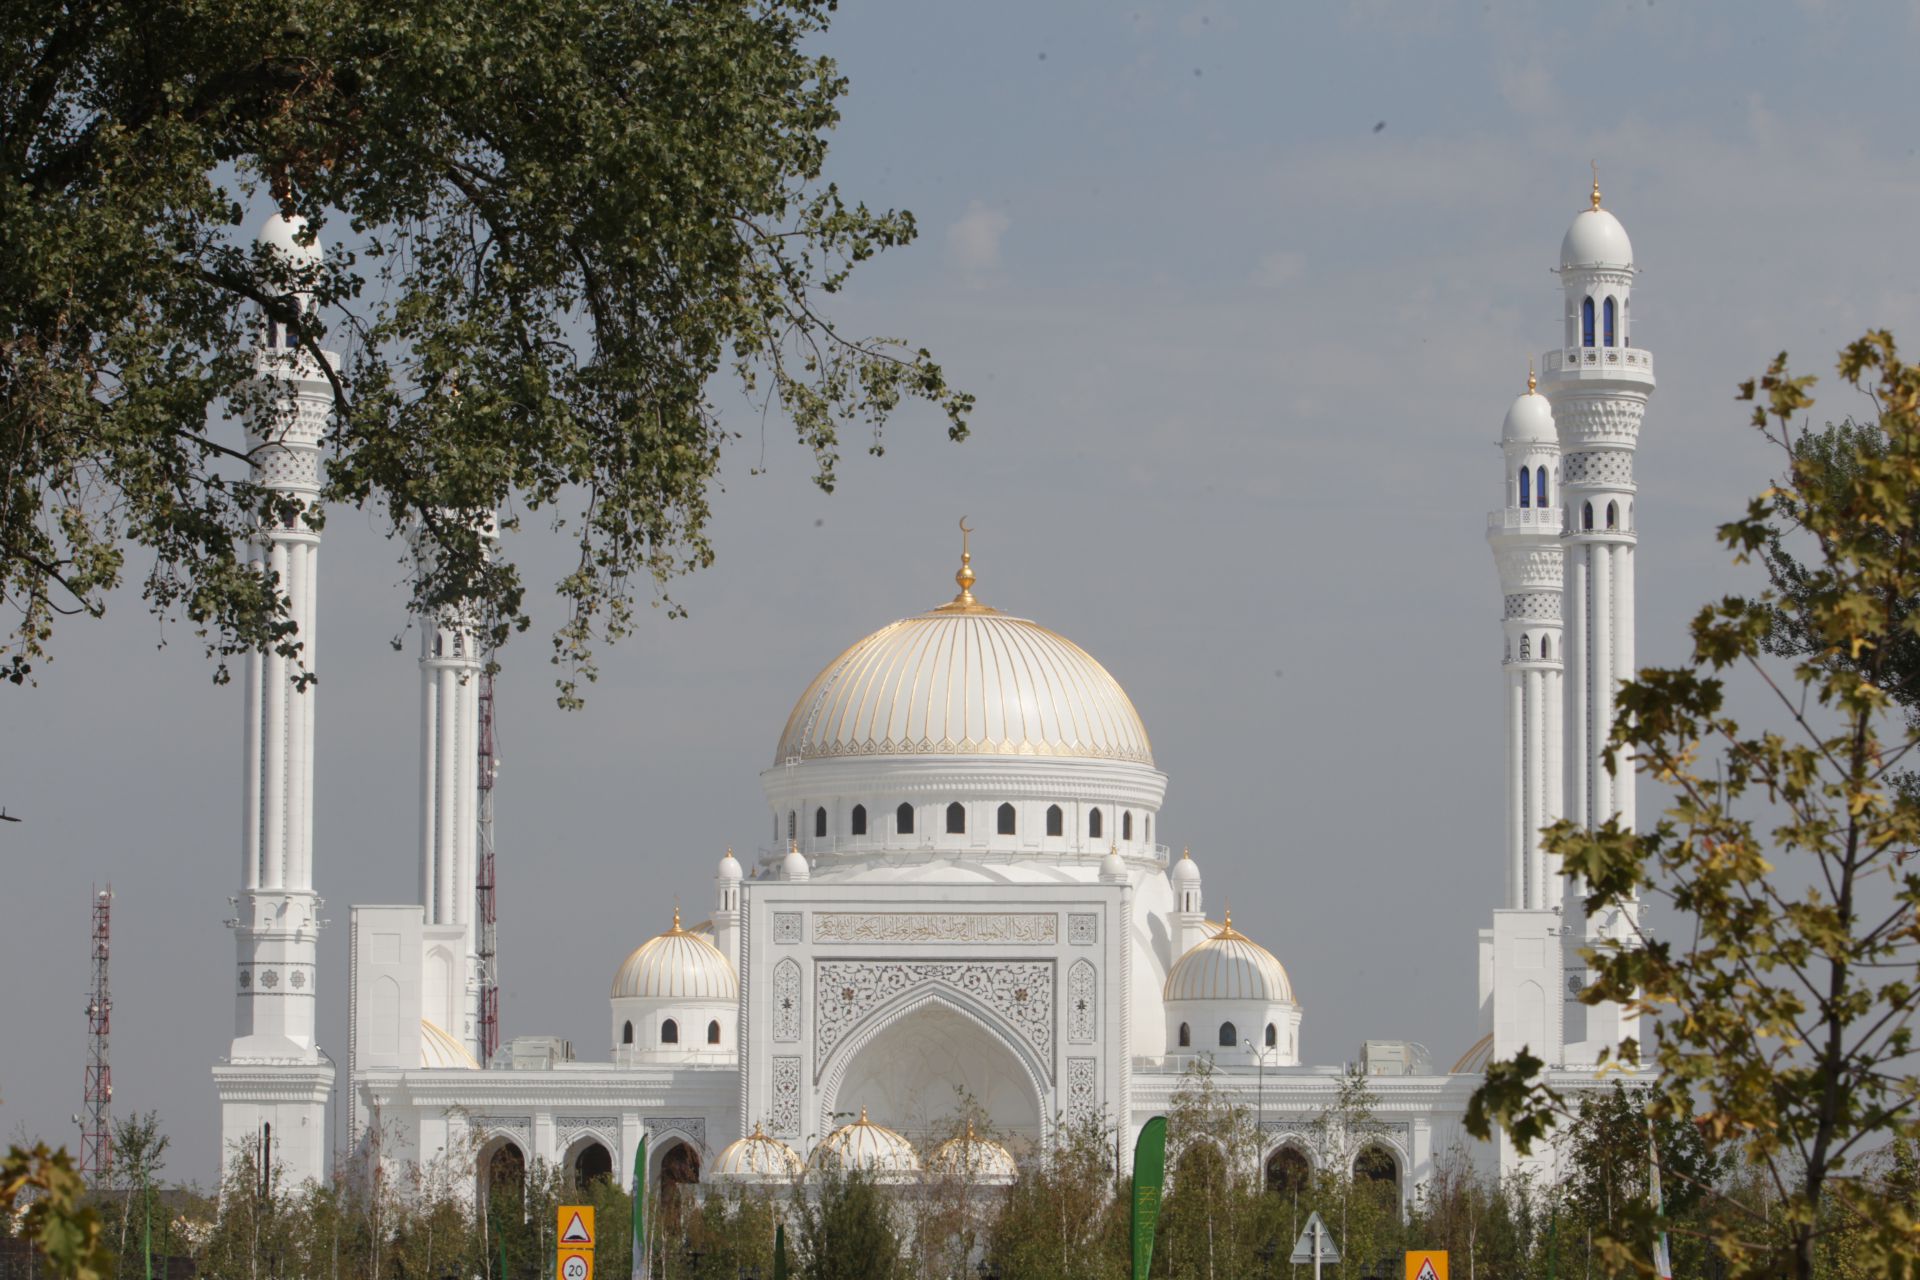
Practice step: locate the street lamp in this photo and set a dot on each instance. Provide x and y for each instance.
(1260, 1110)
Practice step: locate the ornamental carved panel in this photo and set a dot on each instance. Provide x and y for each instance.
(1534, 606)
(846, 991)
(1083, 928)
(784, 1114)
(786, 926)
(786, 1001)
(1533, 567)
(1082, 1002)
(567, 1128)
(1024, 928)
(1083, 1102)
(692, 1128)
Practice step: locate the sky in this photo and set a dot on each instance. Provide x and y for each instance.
(1244, 292)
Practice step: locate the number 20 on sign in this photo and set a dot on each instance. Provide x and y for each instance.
(575, 1265)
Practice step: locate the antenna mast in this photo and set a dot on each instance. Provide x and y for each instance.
(96, 1132)
(484, 882)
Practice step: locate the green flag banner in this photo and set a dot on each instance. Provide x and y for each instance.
(641, 1269)
(1149, 1175)
(780, 1252)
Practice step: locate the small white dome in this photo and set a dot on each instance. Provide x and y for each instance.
(757, 1158)
(1112, 869)
(440, 1051)
(1229, 966)
(730, 868)
(973, 1158)
(1529, 421)
(677, 965)
(281, 232)
(795, 866)
(869, 1148)
(1596, 239)
(1186, 871)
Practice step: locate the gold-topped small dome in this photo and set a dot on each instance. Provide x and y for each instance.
(757, 1158)
(677, 965)
(1229, 966)
(440, 1051)
(867, 1147)
(973, 1158)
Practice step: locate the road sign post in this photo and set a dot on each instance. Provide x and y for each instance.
(1316, 1245)
(573, 1259)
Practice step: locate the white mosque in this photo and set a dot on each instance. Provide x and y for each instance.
(970, 889)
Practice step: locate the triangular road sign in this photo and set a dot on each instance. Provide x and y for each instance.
(1303, 1247)
(1426, 1270)
(577, 1232)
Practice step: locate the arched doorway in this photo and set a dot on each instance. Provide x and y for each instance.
(1376, 1171)
(593, 1163)
(503, 1176)
(909, 1074)
(1288, 1173)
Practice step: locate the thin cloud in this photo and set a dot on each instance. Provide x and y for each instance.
(973, 243)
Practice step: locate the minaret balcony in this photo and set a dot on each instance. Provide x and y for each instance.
(1581, 361)
(1525, 520)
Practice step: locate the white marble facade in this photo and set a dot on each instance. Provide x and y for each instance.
(965, 890)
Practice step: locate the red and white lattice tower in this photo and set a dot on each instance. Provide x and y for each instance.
(96, 1131)
(484, 882)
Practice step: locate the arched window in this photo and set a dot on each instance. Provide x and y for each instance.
(1273, 1036)
(1526, 651)
(506, 1172)
(858, 820)
(669, 1032)
(1288, 1172)
(1377, 1170)
(903, 819)
(1526, 487)
(820, 823)
(593, 1164)
(1540, 484)
(1586, 323)
(1606, 323)
(1004, 819)
(1093, 824)
(1056, 820)
(1586, 516)
(793, 824)
(1613, 515)
(1228, 1036)
(956, 819)
(1186, 1036)
(626, 1034)
(1147, 836)
(1126, 825)
(713, 1032)
(1546, 647)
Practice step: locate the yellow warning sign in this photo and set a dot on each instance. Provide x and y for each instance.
(576, 1264)
(1428, 1264)
(576, 1227)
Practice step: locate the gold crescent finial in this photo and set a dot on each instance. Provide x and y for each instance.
(1531, 383)
(1186, 854)
(965, 577)
(863, 1115)
(676, 917)
(1596, 184)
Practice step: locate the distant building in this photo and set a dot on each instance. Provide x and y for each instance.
(963, 886)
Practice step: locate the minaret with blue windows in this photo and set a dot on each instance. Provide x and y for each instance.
(1525, 536)
(1599, 384)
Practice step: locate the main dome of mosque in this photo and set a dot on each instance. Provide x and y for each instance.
(965, 679)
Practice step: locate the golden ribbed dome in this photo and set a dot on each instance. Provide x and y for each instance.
(677, 965)
(757, 1158)
(973, 1158)
(964, 679)
(1474, 1061)
(440, 1050)
(867, 1147)
(1229, 966)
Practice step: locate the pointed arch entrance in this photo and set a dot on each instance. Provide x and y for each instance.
(918, 1061)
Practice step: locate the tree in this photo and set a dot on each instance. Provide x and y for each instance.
(1785, 1001)
(139, 1151)
(61, 1227)
(847, 1230)
(554, 224)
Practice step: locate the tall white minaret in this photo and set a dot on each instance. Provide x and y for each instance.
(450, 671)
(1525, 536)
(275, 1080)
(1599, 384)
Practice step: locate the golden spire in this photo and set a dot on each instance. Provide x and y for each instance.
(1186, 853)
(1531, 383)
(965, 576)
(863, 1115)
(1596, 184)
(969, 1129)
(676, 917)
